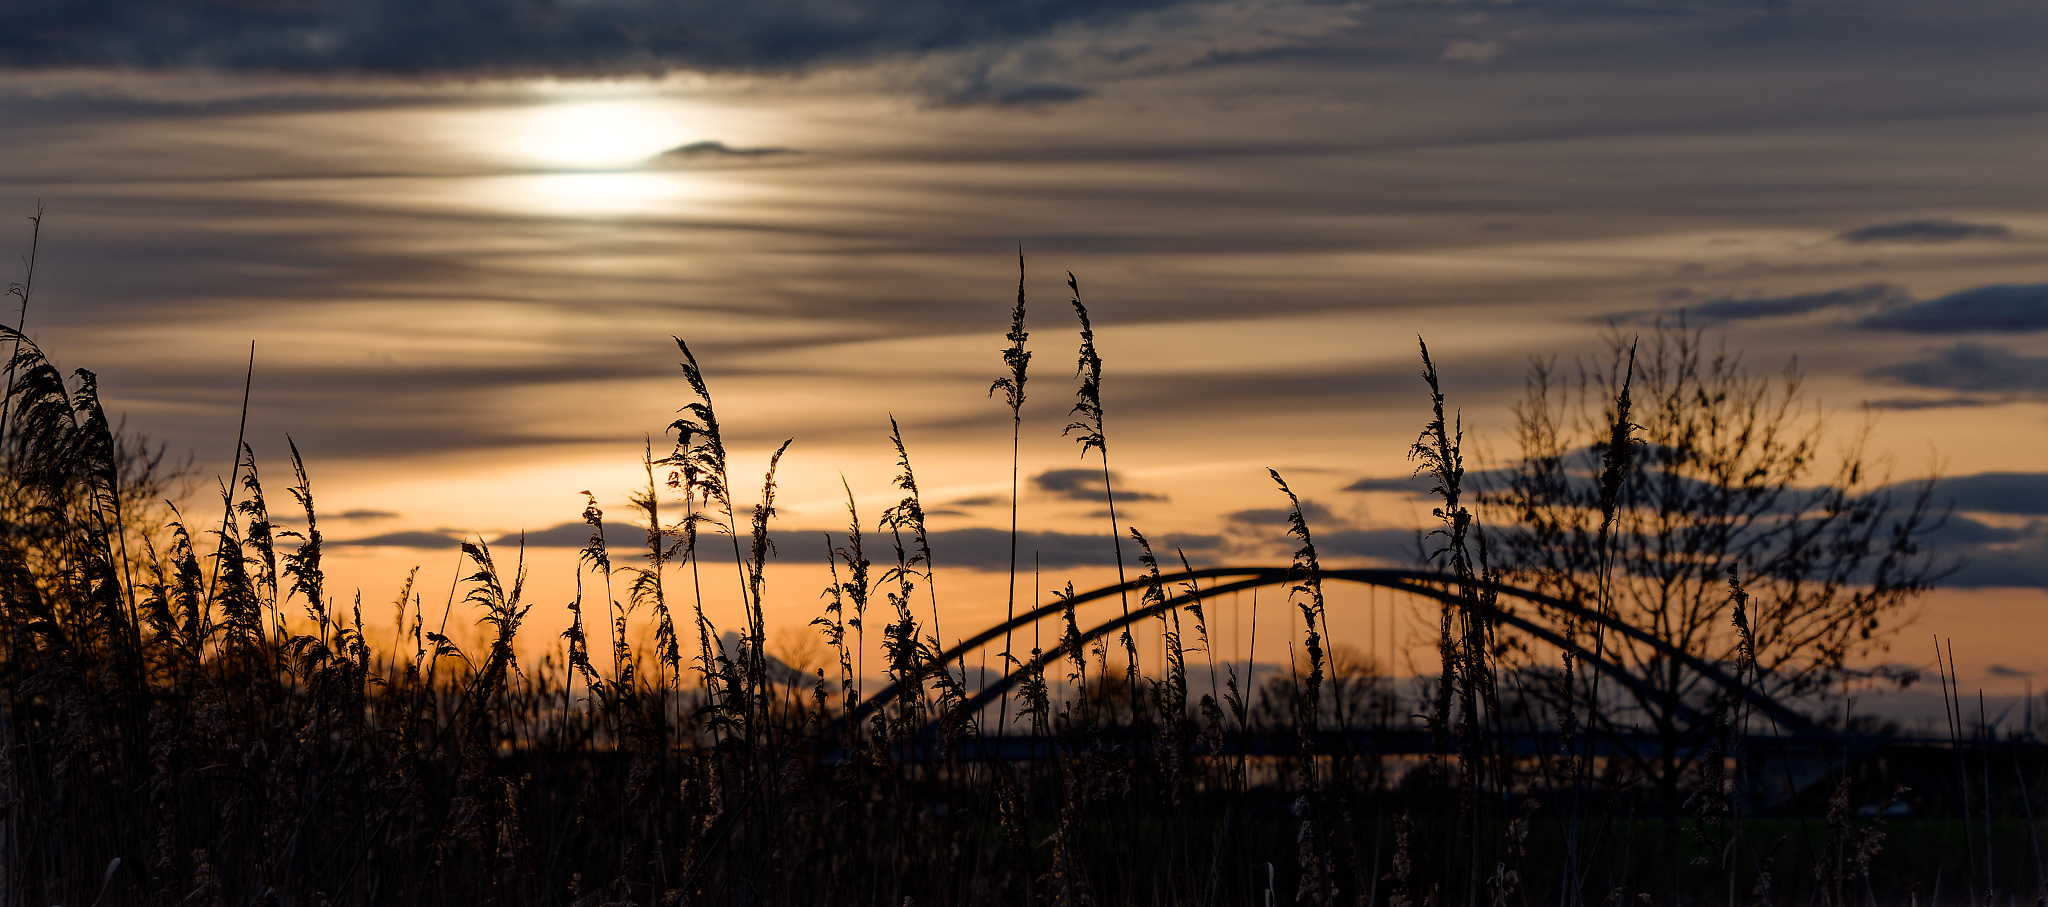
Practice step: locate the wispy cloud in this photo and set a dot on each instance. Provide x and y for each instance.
(1261, 532)
(1476, 480)
(1970, 366)
(1879, 296)
(1400, 547)
(1002, 93)
(2002, 307)
(359, 514)
(2005, 307)
(411, 539)
(1909, 404)
(1086, 485)
(1924, 232)
(1991, 558)
(1409, 485)
(716, 150)
(1276, 517)
(1997, 492)
(989, 549)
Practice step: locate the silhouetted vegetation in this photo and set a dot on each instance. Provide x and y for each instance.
(1640, 620)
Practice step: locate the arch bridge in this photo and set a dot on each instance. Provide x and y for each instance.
(1436, 586)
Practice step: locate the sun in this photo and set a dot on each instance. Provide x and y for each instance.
(586, 156)
(592, 135)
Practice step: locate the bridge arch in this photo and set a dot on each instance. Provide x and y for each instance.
(1427, 584)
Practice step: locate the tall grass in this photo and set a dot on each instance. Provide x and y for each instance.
(188, 716)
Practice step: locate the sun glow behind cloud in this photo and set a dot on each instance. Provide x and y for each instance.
(575, 153)
(585, 134)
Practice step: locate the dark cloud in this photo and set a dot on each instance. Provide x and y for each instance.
(1971, 367)
(1981, 555)
(1986, 556)
(1086, 485)
(621, 540)
(622, 37)
(1411, 485)
(1960, 533)
(1999, 670)
(980, 500)
(291, 518)
(1924, 231)
(401, 540)
(1913, 403)
(1996, 492)
(2023, 566)
(2005, 307)
(720, 150)
(1587, 459)
(1399, 547)
(989, 549)
(1879, 295)
(1312, 393)
(1078, 484)
(1026, 95)
(1277, 516)
(2009, 307)
(1334, 535)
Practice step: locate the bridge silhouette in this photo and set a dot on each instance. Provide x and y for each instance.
(1437, 586)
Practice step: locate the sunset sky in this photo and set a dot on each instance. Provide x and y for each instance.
(462, 235)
